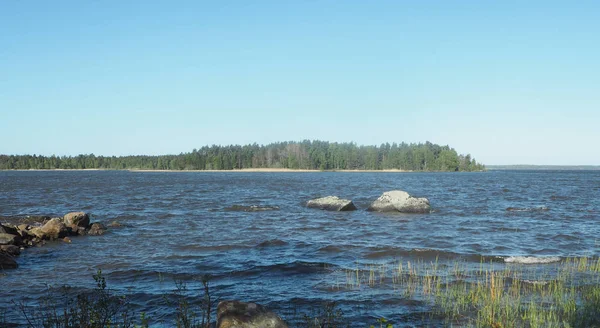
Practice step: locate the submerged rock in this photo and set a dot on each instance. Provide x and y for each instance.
(7, 262)
(96, 229)
(236, 314)
(252, 208)
(400, 201)
(331, 203)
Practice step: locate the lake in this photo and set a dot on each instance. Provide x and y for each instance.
(178, 226)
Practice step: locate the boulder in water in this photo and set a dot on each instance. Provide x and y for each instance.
(400, 201)
(236, 314)
(331, 203)
(53, 229)
(76, 220)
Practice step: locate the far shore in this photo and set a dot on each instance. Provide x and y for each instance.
(270, 170)
(266, 170)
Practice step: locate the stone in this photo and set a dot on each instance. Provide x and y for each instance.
(400, 201)
(97, 229)
(236, 314)
(10, 249)
(75, 220)
(9, 239)
(8, 229)
(53, 229)
(7, 262)
(331, 203)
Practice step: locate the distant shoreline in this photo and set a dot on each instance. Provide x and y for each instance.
(275, 170)
(248, 170)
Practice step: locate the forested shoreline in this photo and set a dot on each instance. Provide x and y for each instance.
(305, 155)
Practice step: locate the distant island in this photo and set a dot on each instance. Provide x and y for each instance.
(304, 155)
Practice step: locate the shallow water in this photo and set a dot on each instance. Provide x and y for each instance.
(181, 225)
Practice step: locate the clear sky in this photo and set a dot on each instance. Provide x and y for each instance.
(511, 82)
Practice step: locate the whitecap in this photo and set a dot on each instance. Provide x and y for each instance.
(531, 259)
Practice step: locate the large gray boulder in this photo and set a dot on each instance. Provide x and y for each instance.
(331, 203)
(236, 314)
(400, 201)
(53, 229)
(76, 220)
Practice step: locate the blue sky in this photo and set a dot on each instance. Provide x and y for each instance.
(511, 82)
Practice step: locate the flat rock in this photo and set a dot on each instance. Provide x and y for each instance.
(9, 239)
(331, 203)
(236, 314)
(400, 201)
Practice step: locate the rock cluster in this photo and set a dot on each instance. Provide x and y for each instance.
(15, 237)
(391, 201)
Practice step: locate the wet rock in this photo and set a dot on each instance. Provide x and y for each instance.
(332, 203)
(8, 229)
(97, 229)
(400, 201)
(9, 239)
(10, 249)
(236, 314)
(7, 262)
(252, 208)
(53, 229)
(115, 224)
(75, 220)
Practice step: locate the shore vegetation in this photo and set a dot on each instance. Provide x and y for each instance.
(304, 155)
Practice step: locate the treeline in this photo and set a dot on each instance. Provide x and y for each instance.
(311, 155)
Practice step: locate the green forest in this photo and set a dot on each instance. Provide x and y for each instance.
(309, 155)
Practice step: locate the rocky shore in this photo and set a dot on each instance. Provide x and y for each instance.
(32, 231)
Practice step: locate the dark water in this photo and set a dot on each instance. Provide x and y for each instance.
(179, 226)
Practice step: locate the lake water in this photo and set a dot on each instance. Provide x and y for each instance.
(181, 225)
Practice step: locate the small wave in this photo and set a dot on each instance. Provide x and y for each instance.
(527, 209)
(422, 253)
(272, 242)
(210, 248)
(293, 268)
(531, 259)
(330, 249)
(251, 208)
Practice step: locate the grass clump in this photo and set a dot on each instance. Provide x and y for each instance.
(562, 294)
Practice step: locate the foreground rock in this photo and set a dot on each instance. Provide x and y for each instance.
(331, 203)
(19, 235)
(236, 314)
(7, 262)
(400, 201)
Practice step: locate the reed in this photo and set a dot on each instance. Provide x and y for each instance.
(562, 294)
